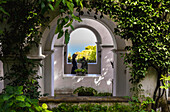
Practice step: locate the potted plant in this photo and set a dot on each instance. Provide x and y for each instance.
(81, 72)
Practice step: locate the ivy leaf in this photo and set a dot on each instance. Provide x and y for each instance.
(44, 106)
(6, 97)
(70, 6)
(60, 34)
(72, 27)
(42, 5)
(64, 2)
(76, 18)
(58, 29)
(12, 111)
(51, 7)
(57, 3)
(20, 98)
(20, 88)
(69, 23)
(77, 1)
(1, 9)
(27, 104)
(38, 108)
(66, 19)
(67, 36)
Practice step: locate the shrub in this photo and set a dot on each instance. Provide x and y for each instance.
(85, 91)
(89, 91)
(104, 94)
(13, 100)
(91, 108)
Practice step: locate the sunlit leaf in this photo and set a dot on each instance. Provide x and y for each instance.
(70, 6)
(60, 34)
(76, 18)
(67, 36)
(70, 23)
(57, 3)
(51, 7)
(44, 106)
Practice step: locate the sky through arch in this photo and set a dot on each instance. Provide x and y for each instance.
(79, 39)
(83, 43)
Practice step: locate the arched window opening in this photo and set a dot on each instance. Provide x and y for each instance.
(83, 43)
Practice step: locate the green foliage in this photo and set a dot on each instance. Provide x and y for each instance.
(92, 57)
(166, 82)
(1, 8)
(146, 25)
(67, 7)
(91, 108)
(136, 104)
(141, 103)
(13, 100)
(85, 91)
(104, 94)
(81, 70)
(89, 91)
(20, 32)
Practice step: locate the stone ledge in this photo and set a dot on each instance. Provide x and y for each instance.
(78, 99)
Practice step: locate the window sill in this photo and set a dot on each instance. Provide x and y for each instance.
(87, 75)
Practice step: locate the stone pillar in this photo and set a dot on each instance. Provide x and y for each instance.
(114, 72)
(106, 66)
(59, 56)
(1, 75)
(49, 73)
(98, 55)
(39, 59)
(37, 56)
(8, 61)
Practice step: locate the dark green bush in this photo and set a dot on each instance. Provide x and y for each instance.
(91, 108)
(89, 91)
(104, 94)
(85, 91)
(13, 100)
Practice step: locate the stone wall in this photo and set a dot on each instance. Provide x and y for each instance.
(55, 101)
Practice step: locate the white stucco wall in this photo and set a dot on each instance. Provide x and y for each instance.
(64, 83)
(1, 75)
(102, 82)
(149, 82)
(120, 74)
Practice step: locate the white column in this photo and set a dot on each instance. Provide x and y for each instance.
(1, 75)
(49, 73)
(114, 72)
(98, 56)
(106, 66)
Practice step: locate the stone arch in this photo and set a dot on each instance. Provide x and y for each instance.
(115, 43)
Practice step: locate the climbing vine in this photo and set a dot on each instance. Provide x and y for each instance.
(20, 30)
(146, 24)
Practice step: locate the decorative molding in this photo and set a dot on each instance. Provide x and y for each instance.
(119, 51)
(41, 57)
(62, 45)
(106, 45)
(48, 52)
(77, 99)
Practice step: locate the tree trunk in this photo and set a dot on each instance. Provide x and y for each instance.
(160, 96)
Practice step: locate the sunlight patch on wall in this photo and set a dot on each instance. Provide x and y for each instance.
(109, 82)
(98, 81)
